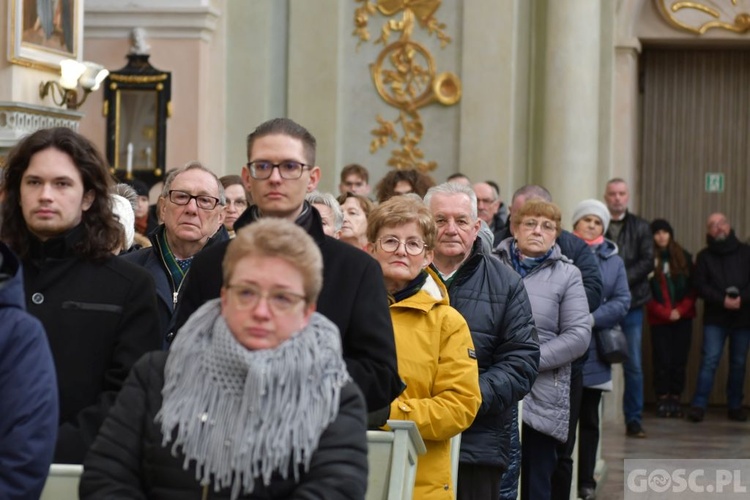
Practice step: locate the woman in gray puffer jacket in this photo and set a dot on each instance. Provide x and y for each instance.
(558, 302)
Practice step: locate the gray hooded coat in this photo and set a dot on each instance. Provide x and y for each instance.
(561, 313)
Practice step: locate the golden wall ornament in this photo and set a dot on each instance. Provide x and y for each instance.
(700, 16)
(405, 76)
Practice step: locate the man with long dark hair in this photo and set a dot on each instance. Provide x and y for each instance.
(99, 311)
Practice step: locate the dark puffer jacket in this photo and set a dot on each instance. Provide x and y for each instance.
(493, 300)
(128, 461)
(718, 266)
(636, 247)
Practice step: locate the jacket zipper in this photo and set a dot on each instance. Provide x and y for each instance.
(175, 290)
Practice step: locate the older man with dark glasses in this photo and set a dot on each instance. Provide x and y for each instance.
(191, 208)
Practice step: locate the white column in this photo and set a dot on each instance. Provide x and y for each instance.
(626, 126)
(495, 59)
(571, 102)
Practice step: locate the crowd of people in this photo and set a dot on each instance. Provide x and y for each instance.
(240, 336)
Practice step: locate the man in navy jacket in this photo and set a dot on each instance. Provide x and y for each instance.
(28, 390)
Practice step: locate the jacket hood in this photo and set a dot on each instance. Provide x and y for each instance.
(607, 249)
(432, 293)
(11, 279)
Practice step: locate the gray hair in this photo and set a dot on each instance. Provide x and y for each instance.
(451, 188)
(327, 199)
(193, 165)
(532, 191)
(127, 192)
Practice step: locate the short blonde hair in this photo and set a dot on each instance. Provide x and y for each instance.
(538, 208)
(401, 210)
(272, 237)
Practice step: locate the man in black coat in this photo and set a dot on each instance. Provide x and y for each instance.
(492, 299)
(635, 245)
(722, 279)
(280, 171)
(99, 311)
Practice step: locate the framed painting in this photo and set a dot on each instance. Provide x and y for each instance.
(41, 33)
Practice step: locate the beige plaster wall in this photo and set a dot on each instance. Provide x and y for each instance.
(494, 110)
(256, 71)
(183, 142)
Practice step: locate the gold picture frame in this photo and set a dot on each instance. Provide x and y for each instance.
(41, 33)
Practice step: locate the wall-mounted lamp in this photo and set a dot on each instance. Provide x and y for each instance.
(72, 73)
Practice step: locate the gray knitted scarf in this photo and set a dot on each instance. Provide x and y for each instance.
(242, 415)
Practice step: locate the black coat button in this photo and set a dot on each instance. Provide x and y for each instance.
(37, 298)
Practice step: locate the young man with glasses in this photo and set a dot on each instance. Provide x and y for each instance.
(280, 171)
(192, 208)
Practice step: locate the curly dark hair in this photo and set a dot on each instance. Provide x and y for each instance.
(102, 230)
(419, 182)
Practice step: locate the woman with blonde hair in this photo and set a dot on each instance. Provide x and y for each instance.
(434, 348)
(253, 400)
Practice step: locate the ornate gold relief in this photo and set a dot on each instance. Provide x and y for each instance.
(405, 76)
(699, 17)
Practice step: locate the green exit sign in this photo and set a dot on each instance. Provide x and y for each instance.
(714, 182)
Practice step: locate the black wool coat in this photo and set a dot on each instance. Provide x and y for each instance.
(128, 460)
(353, 298)
(100, 317)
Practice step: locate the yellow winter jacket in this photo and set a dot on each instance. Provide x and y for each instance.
(436, 360)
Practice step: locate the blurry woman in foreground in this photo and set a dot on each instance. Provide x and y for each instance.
(433, 342)
(253, 399)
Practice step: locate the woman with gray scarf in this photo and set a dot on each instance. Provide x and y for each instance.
(253, 399)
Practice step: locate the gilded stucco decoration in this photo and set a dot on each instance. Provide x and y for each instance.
(700, 16)
(405, 76)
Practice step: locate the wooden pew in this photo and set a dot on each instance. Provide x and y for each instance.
(392, 458)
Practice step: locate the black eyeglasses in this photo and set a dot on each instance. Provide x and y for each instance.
(203, 201)
(391, 244)
(288, 169)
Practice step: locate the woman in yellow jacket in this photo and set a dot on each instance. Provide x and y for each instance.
(434, 349)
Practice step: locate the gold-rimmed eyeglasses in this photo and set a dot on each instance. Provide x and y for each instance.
(391, 244)
(279, 301)
(545, 225)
